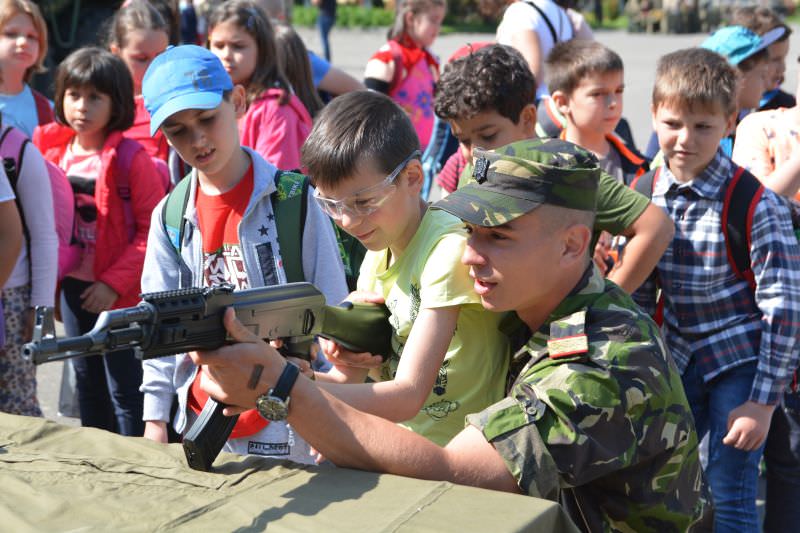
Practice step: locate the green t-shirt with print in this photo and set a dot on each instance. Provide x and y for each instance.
(428, 275)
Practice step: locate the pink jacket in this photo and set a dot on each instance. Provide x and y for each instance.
(118, 261)
(276, 131)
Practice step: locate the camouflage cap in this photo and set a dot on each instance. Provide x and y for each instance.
(517, 178)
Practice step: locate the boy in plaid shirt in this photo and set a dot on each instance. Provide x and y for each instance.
(736, 347)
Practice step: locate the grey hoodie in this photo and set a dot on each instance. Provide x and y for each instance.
(166, 376)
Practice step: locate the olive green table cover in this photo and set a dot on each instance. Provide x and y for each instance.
(58, 478)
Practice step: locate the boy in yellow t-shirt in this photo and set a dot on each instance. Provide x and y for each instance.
(448, 357)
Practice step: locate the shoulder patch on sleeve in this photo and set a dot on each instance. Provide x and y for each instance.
(567, 336)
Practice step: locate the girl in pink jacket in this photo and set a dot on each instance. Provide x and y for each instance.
(116, 188)
(276, 123)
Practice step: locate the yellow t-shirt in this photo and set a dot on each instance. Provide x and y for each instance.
(428, 275)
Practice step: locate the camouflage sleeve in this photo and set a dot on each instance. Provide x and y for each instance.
(573, 420)
(509, 426)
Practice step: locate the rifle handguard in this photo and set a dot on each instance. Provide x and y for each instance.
(359, 327)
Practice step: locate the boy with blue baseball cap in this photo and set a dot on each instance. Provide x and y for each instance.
(227, 232)
(747, 51)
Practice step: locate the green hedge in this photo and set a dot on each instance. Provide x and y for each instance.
(462, 15)
(346, 16)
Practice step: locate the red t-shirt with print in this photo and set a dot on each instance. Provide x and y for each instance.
(218, 217)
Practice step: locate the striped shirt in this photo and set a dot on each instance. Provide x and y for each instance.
(711, 314)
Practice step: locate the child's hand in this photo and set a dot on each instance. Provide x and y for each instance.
(601, 251)
(748, 425)
(303, 365)
(365, 297)
(98, 297)
(342, 358)
(155, 430)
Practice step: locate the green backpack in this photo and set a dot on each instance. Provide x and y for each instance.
(289, 206)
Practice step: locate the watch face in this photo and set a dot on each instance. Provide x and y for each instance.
(272, 408)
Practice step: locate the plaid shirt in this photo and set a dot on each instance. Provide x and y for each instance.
(711, 314)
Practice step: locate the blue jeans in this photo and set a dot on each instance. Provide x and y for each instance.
(325, 21)
(108, 385)
(782, 458)
(732, 473)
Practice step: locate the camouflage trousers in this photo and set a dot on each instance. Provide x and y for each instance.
(17, 376)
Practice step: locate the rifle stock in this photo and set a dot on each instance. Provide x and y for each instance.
(174, 322)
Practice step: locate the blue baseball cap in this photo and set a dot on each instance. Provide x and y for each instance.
(183, 77)
(737, 43)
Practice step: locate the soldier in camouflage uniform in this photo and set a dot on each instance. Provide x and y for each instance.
(596, 418)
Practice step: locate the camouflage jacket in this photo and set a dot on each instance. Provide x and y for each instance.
(598, 419)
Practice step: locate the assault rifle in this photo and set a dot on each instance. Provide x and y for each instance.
(174, 322)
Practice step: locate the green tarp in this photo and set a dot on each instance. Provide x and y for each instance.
(56, 478)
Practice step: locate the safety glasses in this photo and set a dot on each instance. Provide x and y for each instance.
(366, 201)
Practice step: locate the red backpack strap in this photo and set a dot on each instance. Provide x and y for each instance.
(741, 199)
(126, 151)
(397, 58)
(645, 182)
(43, 110)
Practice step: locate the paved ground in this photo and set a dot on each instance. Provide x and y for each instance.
(351, 49)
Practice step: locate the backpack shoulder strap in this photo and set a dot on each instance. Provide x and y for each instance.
(644, 183)
(126, 151)
(550, 27)
(44, 112)
(741, 199)
(397, 58)
(173, 210)
(12, 146)
(289, 206)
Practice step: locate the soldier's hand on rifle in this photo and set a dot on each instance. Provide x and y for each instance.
(227, 371)
(98, 297)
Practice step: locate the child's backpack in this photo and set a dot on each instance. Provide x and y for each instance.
(12, 149)
(441, 146)
(412, 90)
(289, 205)
(742, 195)
(44, 112)
(126, 151)
(738, 208)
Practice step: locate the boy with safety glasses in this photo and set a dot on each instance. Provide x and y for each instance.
(448, 357)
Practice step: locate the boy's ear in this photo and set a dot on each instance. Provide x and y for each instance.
(528, 118)
(415, 176)
(730, 126)
(561, 100)
(239, 100)
(114, 49)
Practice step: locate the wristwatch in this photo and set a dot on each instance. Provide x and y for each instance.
(274, 405)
